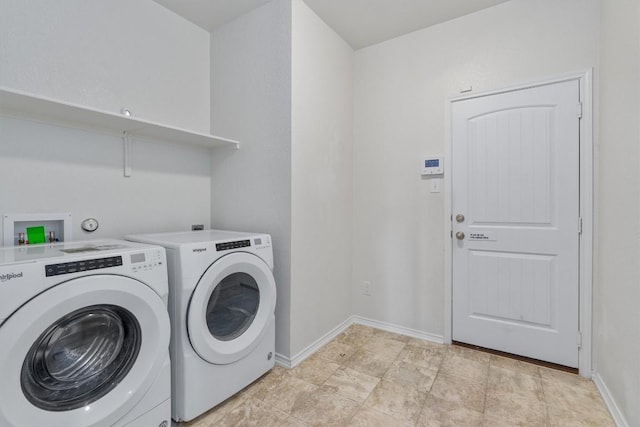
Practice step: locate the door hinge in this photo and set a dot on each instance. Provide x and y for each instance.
(579, 339)
(579, 225)
(579, 110)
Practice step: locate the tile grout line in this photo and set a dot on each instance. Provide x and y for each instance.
(368, 395)
(544, 397)
(415, 422)
(342, 366)
(428, 392)
(486, 391)
(380, 379)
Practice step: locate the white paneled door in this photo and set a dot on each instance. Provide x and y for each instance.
(516, 225)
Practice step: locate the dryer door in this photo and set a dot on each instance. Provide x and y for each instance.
(82, 353)
(231, 308)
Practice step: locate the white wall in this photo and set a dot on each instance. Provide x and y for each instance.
(321, 178)
(400, 89)
(251, 102)
(618, 289)
(46, 168)
(105, 55)
(108, 55)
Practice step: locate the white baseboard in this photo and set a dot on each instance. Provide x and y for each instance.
(313, 347)
(283, 361)
(401, 330)
(286, 362)
(616, 413)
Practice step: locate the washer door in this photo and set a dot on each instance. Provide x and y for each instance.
(231, 308)
(82, 353)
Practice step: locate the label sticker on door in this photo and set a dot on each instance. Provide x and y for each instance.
(484, 236)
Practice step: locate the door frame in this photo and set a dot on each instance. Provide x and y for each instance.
(587, 213)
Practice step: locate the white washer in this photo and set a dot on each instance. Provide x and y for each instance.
(222, 298)
(84, 335)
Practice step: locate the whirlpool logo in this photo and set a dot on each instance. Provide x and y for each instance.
(9, 276)
(198, 250)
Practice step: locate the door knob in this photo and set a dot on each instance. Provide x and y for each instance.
(459, 218)
(459, 235)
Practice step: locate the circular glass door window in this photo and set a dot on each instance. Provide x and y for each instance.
(232, 306)
(80, 358)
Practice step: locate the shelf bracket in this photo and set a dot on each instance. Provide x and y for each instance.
(127, 154)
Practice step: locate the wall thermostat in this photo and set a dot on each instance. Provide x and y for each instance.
(433, 166)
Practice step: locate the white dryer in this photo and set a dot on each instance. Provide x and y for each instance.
(222, 298)
(84, 335)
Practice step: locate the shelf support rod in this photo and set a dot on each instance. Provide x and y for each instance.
(127, 154)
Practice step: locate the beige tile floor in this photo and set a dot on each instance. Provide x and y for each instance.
(368, 377)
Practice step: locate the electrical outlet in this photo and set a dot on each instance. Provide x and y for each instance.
(367, 289)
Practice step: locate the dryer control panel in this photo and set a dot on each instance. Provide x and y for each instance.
(258, 242)
(233, 245)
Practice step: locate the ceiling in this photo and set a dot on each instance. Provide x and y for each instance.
(359, 22)
(211, 14)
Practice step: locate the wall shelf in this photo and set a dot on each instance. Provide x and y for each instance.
(20, 104)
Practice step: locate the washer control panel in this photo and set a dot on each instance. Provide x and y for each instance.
(137, 261)
(85, 265)
(144, 261)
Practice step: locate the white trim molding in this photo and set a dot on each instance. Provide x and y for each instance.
(352, 320)
(400, 330)
(313, 347)
(587, 173)
(613, 408)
